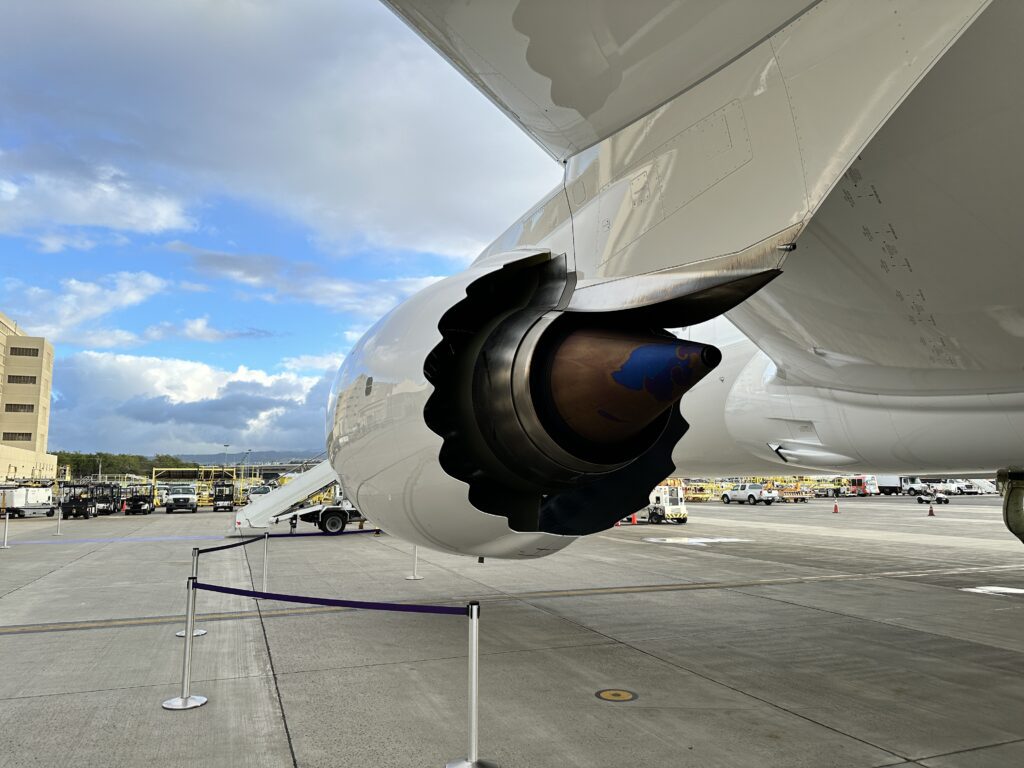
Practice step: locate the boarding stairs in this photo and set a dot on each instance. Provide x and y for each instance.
(262, 510)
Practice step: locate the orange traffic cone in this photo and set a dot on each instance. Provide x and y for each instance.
(835, 508)
(931, 512)
(633, 519)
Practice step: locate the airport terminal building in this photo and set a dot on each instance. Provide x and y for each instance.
(26, 377)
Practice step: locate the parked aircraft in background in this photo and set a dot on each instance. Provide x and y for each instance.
(841, 180)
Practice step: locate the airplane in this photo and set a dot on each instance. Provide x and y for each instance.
(839, 180)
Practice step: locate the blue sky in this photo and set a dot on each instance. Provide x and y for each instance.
(203, 205)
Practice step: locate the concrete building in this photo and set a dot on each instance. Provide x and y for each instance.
(26, 378)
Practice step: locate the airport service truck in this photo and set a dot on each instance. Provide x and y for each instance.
(752, 493)
(181, 497)
(889, 485)
(22, 500)
(896, 485)
(665, 505)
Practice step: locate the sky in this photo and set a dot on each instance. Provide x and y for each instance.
(204, 203)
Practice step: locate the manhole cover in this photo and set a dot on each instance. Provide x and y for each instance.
(615, 694)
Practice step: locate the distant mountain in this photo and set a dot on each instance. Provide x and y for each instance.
(255, 457)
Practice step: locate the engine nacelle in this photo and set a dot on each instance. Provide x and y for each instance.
(486, 416)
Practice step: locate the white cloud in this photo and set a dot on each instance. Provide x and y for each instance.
(54, 243)
(199, 329)
(333, 113)
(277, 279)
(66, 315)
(8, 191)
(102, 196)
(174, 405)
(191, 287)
(325, 362)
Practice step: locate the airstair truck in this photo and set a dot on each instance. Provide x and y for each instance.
(285, 503)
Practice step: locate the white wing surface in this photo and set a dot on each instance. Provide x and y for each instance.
(573, 72)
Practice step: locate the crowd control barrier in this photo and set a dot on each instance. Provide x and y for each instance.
(189, 700)
(196, 552)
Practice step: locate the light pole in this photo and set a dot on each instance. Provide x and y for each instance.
(224, 464)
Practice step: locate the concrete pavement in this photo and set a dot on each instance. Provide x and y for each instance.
(753, 636)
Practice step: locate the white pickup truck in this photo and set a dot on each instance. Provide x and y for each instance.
(750, 493)
(181, 497)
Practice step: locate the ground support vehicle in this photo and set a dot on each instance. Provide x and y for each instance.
(181, 497)
(77, 501)
(750, 493)
(107, 497)
(665, 505)
(932, 497)
(913, 486)
(26, 500)
(329, 518)
(889, 485)
(256, 492)
(864, 485)
(796, 494)
(223, 496)
(138, 500)
(698, 492)
(830, 490)
(655, 514)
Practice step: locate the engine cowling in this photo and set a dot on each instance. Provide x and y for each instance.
(484, 416)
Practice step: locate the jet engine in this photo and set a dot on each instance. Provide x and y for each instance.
(489, 415)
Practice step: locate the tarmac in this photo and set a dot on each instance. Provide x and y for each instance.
(782, 636)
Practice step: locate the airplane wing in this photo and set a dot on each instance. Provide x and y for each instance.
(573, 72)
(722, 135)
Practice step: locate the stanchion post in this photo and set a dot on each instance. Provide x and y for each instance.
(60, 515)
(473, 759)
(187, 700)
(7, 520)
(415, 565)
(195, 575)
(266, 546)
